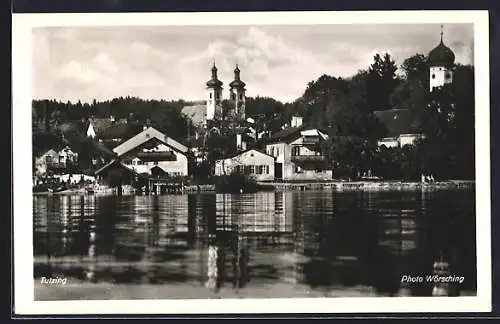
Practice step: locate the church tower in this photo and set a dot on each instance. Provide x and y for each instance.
(441, 60)
(237, 94)
(214, 95)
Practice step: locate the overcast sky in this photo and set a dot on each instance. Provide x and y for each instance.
(173, 62)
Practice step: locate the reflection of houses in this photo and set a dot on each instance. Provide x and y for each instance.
(298, 154)
(252, 162)
(259, 214)
(53, 160)
(244, 229)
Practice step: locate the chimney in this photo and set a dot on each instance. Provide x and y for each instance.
(296, 121)
(238, 141)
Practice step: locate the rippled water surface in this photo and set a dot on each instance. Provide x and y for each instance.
(314, 241)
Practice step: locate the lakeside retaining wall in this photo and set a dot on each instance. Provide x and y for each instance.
(370, 186)
(337, 186)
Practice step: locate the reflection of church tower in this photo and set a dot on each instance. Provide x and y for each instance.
(214, 95)
(237, 94)
(441, 60)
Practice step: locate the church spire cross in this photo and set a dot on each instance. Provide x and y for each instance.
(441, 33)
(214, 70)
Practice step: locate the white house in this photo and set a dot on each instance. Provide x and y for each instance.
(297, 153)
(255, 163)
(67, 156)
(153, 153)
(46, 161)
(402, 127)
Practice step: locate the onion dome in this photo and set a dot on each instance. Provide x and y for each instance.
(237, 83)
(441, 55)
(214, 82)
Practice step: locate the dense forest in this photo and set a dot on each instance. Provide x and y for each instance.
(343, 108)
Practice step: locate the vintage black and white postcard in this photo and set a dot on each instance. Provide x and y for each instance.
(259, 162)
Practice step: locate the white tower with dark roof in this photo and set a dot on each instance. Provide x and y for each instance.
(237, 94)
(214, 95)
(441, 60)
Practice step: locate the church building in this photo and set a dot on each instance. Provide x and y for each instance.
(212, 109)
(403, 128)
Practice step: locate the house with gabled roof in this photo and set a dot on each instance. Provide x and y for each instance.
(152, 154)
(257, 164)
(298, 154)
(402, 127)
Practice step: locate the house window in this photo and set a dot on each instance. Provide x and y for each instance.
(241, 96)
(447, 75)
(433, 76)
(267, 169)
(210, 95)
(296, 151)
(277, 151)
(272, 150)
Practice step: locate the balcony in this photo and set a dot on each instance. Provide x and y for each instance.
(308, 158)
(156, 156)
(310, 140)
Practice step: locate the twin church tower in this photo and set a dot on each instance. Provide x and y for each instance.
(441, 60)
(214, 96)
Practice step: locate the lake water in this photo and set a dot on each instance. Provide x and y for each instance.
(301, 241)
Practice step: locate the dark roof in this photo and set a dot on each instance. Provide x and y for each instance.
(441, 55)
(214, 83)
(117, 162)
(248, 150)
(99, 124)
(44, 141)
(237, 84)
(116, 130)
(102, 149)
(242, 130)
(398, 121)
(286, 134)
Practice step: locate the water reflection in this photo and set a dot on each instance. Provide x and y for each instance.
(322, 240)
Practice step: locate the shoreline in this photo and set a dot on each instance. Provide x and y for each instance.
(371, 185)
(310, 185)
